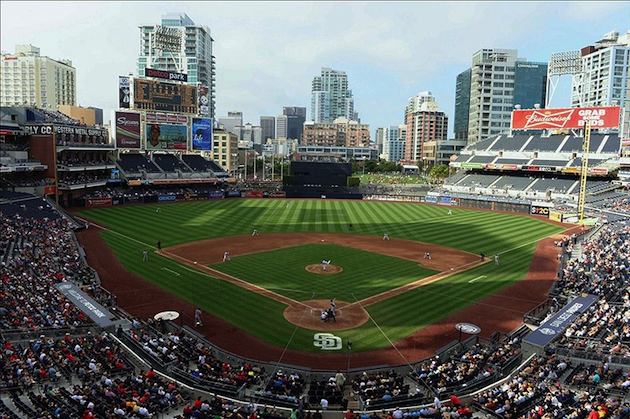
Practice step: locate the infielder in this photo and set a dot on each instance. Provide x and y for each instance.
(254, 233)
(385, 236)
(226, 256)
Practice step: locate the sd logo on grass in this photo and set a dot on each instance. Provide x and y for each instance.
(327, 341)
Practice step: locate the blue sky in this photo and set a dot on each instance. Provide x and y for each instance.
(268, 52)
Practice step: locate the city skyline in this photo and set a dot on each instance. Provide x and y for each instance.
(386, 66)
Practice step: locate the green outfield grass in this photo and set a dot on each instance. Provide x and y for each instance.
(364, 273)
(134, 228)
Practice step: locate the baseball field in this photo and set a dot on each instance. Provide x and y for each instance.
(386, 290)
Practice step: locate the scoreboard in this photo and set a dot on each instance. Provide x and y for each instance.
(154, 95)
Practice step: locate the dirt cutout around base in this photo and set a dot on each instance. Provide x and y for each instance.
(348, 316)
(318, 268)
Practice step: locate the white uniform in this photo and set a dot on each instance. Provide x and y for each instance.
(226, 256)
(385, 236)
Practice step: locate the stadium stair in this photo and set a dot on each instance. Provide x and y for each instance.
(525, 144)
(531, 185)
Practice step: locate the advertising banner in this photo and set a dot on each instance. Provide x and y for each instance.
(233, 194)
(127, 130)
(203, 100)
(472, 165)
(99, 314)
(202, 134)
(253, 194)
(538, 210)
(279, 194)
(166, 137)
(572, 118)
(555, 326)
(167, 75)
(555, 216)
(216, 195)
(124, 93)
(48, 129)
(444, 200)
(155, 95)
(431, 199)
(98, 202)
(166, 198)
(166, 118)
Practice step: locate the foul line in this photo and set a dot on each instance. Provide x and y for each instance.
(475, 279)
(164, 268)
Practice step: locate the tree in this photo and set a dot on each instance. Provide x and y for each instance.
(439, 172)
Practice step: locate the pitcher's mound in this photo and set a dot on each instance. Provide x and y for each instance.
(318, 268)
(307, 316)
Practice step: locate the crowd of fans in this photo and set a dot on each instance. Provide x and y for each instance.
(36, 255)
(82, 178)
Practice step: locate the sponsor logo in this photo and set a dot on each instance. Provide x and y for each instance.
(547, 331)
(468, 328)
(549, 119)
(123, 121)
(327, 341)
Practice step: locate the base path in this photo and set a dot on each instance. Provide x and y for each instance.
(500, 312)
(207, 252)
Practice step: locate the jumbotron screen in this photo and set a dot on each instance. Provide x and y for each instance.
(153, 95)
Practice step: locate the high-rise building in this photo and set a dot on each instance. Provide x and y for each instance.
(500, 80)
(425, 122)
(379, 139)
(28, 78)
(178, 44)
(231, 122)
(281, 126)
(462, 105)
(331, 97)
(295, 121)
(394, 142)
(605, 68)
(341, 132)
(268, 126)
(225, 146)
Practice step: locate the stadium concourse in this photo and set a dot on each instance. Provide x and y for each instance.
(59, 361)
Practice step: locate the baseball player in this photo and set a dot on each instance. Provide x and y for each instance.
(145, 255)
(226, 256)
(496, 260)
(450, 212)
(254, 233)
(385, 236)
(198, 317)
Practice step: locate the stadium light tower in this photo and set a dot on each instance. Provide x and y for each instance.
(167, 41)
(567, 63)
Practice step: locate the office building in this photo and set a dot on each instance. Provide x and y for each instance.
(87, 116)
(393, 144)
(500, 80)
(268, 126)
(425, 122)
(224, 149)
(30, 79)
(604, 77)
(462, 105)
(178, 44)
(379, 137)
(231, 122)
(341, 133)
(331, 97)
(282, 126)
(295, 121)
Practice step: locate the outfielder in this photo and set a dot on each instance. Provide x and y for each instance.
(496, 260)
(145, 255)
(450, 212)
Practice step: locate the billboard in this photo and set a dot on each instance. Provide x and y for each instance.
(202, 134)
(570, 118)
(166, 136)
(163, 74)
(123, 92)
(203, 100)
(166, 118)
(155, 95)
(127, 130)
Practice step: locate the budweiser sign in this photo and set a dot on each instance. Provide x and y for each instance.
(572, 118)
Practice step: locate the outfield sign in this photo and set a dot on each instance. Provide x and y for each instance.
(566, 118)
(556, 325)
(327, 342)
(468, 328)
(99, 314)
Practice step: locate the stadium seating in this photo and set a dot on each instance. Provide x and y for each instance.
(538, 143)
(555, 185)
(517, 183)
(200, 165)
(541, 162)
(136, 163)
(169, 163)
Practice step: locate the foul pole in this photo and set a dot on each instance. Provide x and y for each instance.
(584, 171)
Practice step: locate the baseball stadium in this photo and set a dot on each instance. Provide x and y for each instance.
(143, 276)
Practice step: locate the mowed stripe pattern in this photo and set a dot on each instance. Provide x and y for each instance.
(140, 227)
(364, 273)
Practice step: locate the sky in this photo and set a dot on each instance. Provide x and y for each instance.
(267, 53)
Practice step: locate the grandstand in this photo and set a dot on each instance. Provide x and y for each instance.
(534, 166)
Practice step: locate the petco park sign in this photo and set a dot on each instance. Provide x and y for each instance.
(572, 118)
